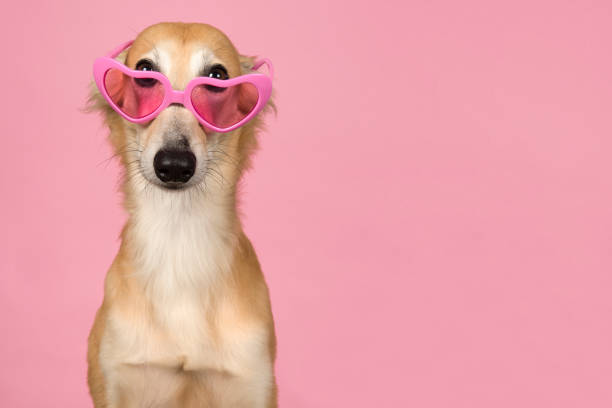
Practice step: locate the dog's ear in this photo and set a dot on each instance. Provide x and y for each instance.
(246, 67)
(95, 100)
(248, 140)
(246, 64)
(97, 103)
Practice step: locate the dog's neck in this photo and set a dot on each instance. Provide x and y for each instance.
(181, 240)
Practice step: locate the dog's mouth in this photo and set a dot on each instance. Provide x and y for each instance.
(173, 186)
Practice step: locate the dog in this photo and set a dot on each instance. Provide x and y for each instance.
(186, 319)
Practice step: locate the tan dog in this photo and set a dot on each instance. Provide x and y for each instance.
(186, 319)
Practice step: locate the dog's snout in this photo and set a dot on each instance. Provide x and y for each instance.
(174, 166)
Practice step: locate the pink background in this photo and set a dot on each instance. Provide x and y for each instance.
(432, 206)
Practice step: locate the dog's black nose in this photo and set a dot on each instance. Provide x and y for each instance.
(174, 165)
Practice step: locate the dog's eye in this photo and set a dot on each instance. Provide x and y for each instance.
(145, 65)
(218, 72)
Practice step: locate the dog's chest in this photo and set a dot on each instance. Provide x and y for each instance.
(181, 318)
(183, 337)
(177, 323)
(153, 356)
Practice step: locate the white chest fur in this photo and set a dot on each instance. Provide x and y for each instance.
(179, 242)
(181, 252)
(150, 362)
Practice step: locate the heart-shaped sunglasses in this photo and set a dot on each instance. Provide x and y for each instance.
(219, 104)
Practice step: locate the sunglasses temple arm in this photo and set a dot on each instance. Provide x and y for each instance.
(266, 61)
(114, 53)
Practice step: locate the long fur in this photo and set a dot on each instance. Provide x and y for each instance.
(186, 318)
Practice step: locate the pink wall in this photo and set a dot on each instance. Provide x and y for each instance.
(432, 207)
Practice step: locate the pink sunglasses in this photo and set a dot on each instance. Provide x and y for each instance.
(218, 104)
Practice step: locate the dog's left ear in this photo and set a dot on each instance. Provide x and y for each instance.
(246, 64)
(246, 67)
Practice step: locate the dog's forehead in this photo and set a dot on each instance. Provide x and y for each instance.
(183, 51)
(176, 59)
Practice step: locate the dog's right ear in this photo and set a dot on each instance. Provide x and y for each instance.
(95, 100)
(112, 120)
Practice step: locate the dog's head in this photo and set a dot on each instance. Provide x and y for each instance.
(174, 152)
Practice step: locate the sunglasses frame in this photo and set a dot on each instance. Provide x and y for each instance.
(262, 82)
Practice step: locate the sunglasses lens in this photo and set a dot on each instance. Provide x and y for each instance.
(224, 107)
(136, 97)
